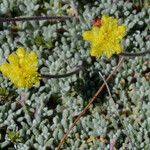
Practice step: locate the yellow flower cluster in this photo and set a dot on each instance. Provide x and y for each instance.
(21, 68)
(147, 4)
(106, 38)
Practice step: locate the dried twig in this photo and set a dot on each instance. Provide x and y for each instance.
(88, 105)
(48, 76)
(75, 8)
(112, 145)
(116, 110)
(135, 54)
(34, 18)
(21, 102)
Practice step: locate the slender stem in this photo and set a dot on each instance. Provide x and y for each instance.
(52, 18)
(135, 54)
(116, 110)
(47, 76)
(88, 105)
(74, 6)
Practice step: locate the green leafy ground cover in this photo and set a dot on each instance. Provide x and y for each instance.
(37, 118)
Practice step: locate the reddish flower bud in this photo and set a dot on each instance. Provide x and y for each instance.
(97, 22)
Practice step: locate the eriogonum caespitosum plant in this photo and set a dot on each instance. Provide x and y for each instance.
(22, 69)
(106, 38)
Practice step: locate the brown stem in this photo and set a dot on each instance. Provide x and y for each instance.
(117, 112)
(48, 76)
(135, 54)
(34, 18)
(88, 105)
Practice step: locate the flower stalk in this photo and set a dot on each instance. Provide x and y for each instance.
(126, 54)
(48, 76)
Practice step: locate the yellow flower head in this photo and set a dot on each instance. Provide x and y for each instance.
(147, 4)
(106, 38)
(21, 68)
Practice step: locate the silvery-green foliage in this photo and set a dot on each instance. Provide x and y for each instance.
(49, 109)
